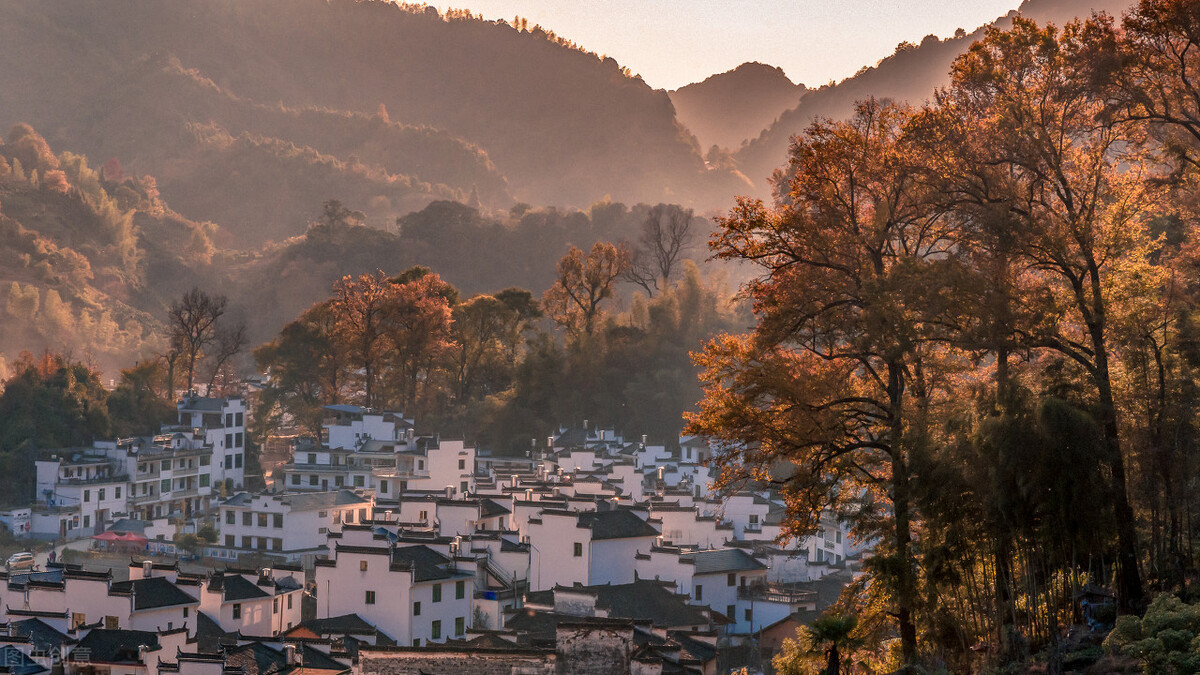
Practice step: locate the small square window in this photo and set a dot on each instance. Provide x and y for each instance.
(370, 597)
(362, 565)
(731, 579)
(578, 550)
(230, 518)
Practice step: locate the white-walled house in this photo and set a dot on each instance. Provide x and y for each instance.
(290, 523)
(717, 578)
(222, 424)
(589, 547)
(412, 593)
(258, 603)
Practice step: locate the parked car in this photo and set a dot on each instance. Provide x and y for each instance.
(20, 561)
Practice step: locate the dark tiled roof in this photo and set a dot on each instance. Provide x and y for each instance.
(427, 564)
(256, 658)
(316, 500)
(234, 587)
(717, 561)
(116, 646)
(648, 600)
(489, 508)
(344, 624)
(42, 635)
(619, 524)
(14, 661)
(153, 593)
(209, 633)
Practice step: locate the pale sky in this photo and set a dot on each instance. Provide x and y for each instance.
(671, 43)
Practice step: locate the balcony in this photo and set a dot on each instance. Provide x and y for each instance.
(119, 478)
(144, 499)
(188, 471)
(784, 595)
(316, 468)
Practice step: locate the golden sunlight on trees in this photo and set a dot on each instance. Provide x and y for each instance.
(584, 282)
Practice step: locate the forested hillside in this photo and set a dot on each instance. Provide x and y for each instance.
(396, 106)
(911, 74)
(730, 108)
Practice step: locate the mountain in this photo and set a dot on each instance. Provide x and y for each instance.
(733, 107)
(911, 74)
(400, 105)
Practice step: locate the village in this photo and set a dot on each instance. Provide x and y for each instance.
(373, 549)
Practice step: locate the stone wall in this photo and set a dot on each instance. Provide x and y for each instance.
(456, 662)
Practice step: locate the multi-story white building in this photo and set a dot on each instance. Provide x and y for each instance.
(587, 547)
(221, 423)
(289, 524)
(412, 593)
(91, 486)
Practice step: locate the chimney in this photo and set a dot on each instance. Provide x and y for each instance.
(147, 569)
(585, 425)
(658, 541)
(529, 494)
(661, 469)
(643, 439)
(549, 441)
(289, 651)
(449, 492)
(514, 481)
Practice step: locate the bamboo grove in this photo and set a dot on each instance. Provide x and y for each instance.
(976, 335)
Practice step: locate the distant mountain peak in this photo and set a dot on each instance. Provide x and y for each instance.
(729, 108)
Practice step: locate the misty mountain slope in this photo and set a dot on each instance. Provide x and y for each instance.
(908, 75)
(733, 107)
(561, 125)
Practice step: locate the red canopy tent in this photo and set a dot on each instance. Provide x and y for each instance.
(107, 536)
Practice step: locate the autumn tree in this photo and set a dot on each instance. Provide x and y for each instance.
(308, 370)
(192, 323)
(1081, 208)
(584, 282)
(417, 327)
(824, 397)
(359, 306)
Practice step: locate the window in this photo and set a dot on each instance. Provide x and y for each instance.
(423, 516)
(462, 464)
(262, 520)
(417, 608)
(370, 597)
(230, 518)
(339, 481)
(238, 437)
(246, 518)
(185, 612)
(312, 458)
(362, 565)
(100, 495)
(731, 579)
(435, 630)
(417, 642)
(362, 515)
(337, 517)
(78, 619)
(463, 487)
(237, 610)
(358, 481)
(349, 516)
(229, 542)
(164, 485)
(205, 460)
(117, 490)
(383, 486)
(295, 479)
(699, 592)
(228, 419)
(240, 421)
(228, 461)
(277, 544)
(277, 520)
(460, 625)
(322, 514)
(322, 530)
(229, 440)
(237, 461)
(87, 495)
(420, 465)
(749, 614)
(730, 611)
(205, 480)
(312, 480)
(839, 536)
(246, 541)
(112, 623)
(275, 606)
(166, 465)
(460, 590)
(578, 550)
(753, 518)
(289, 600)
(87, 521)
(437, 592)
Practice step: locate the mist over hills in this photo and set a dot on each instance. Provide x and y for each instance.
(505, 113)
(732, 107)
(911, 74)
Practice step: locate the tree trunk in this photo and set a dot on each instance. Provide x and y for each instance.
(906, 597)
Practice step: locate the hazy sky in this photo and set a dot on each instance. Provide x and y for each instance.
(671, 43)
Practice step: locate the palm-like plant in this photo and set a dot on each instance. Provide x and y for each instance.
(832, 636)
